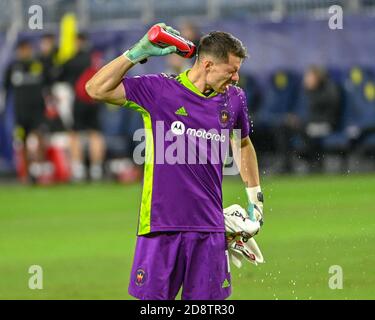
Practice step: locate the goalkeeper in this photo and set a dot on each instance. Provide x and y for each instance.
(181, 234)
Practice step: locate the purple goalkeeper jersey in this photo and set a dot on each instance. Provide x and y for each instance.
(187, 137)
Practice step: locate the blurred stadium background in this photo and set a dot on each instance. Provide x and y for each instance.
(311, 97)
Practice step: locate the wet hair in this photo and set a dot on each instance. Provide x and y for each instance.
(220, 44)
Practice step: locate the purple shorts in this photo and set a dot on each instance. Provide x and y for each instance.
(197, 261)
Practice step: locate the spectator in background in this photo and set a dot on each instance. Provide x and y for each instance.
(277, 120)
(51, 70)
(77, 71)
(176, 64)
(24, 77)
(323, 112)
(307, 121)
(48, 57)
(190, 31)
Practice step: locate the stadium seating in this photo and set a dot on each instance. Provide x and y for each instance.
(360, 89)
(279, 95)
(280, 99)
(355, 133)
(338, 142)
(118, 126)
(253, 92)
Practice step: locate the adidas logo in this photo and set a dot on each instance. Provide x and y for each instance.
(226, 284)
(182, 112)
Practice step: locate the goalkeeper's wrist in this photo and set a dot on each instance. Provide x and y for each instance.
(254, 194)
(134, 55)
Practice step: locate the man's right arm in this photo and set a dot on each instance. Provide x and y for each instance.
(106, 85)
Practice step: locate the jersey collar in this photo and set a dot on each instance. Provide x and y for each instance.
(184, 80)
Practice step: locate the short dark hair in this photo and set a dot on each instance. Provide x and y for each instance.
(318, 71)
(23, 43)
(82, 36)
(49, 36)
(220, 44)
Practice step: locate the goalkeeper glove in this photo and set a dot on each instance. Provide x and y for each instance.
(239, 234)
(144, 48)
(237, 223)
(255, 209)
(246, 249)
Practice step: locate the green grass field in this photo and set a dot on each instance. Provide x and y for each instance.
(83, 237)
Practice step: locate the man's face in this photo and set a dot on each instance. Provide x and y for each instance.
(221, 74)
(47, 45)
(311, 80)
(25, 52)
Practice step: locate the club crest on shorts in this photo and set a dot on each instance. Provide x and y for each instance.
(140, 277)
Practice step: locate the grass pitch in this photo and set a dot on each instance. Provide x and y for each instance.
(83, 237)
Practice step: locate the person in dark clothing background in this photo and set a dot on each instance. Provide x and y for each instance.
(323, 112)
(51, 72)
(85, 113)
(24, 78)
(48, 57)
(314, 116)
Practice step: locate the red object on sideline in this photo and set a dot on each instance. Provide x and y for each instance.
(80, 86)
(60, 162)
(21, 166)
